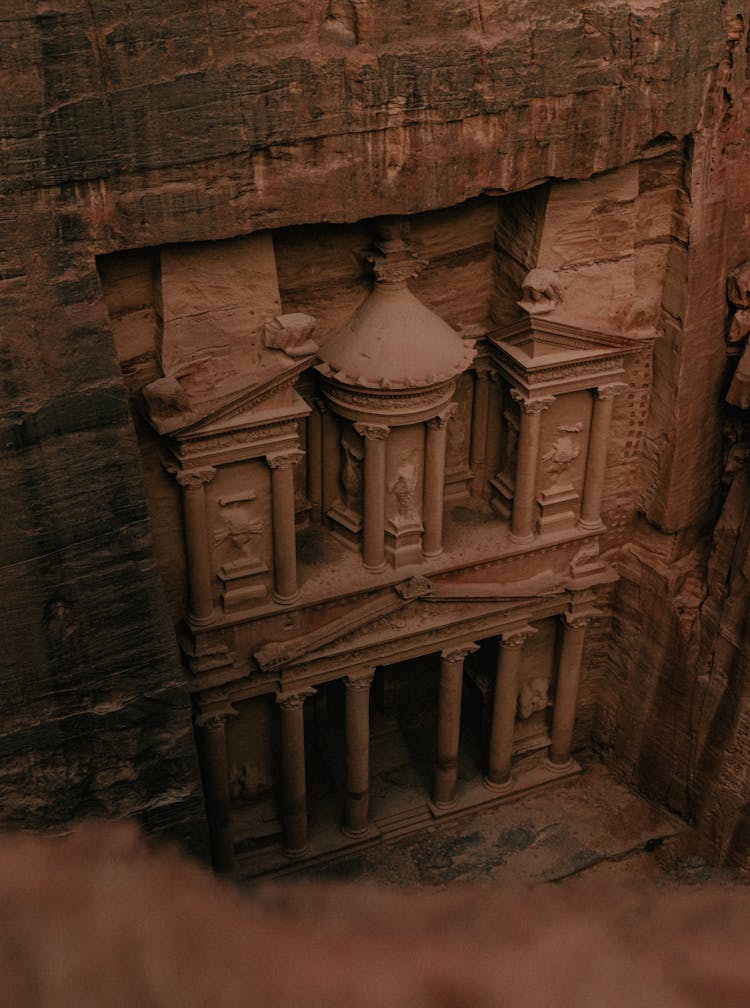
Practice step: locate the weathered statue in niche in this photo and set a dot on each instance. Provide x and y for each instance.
(738, 293)
(533, 696)
(455, 454)
(238, 527)
(562, 453)
(352, 476)
(404, 487)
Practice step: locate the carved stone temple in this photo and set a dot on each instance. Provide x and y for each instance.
(390, 540)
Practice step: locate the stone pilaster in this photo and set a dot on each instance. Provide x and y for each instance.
(293, 780)
(449, 724)
(200, 581)
(284, 536)
(596, 459)
(373, 535)
(479, 420)
(211, 743)
(357, 752)
(315, 460)
(434, 483)
(522, 521)
(502, 730)
(566, 694)
(330, 457)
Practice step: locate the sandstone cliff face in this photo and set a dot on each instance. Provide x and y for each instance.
(147, 124)
(674, 706)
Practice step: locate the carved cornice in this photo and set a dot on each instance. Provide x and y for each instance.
(236, 439)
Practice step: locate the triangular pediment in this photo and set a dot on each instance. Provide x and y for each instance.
(401, 609)
(216, 389)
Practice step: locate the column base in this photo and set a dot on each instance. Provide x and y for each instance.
(202, 621)
(355, 834)
(499, 787)
(296, 853)
(591, 526)
(375, 569)
(285, 599)
(560, 768)
(522, 540)
(441, 807)
(429, 554)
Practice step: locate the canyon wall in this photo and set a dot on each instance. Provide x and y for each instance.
(141, 125)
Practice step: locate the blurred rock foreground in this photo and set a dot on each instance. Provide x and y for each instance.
(99, 918)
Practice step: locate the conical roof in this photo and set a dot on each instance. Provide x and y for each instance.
(394, 341)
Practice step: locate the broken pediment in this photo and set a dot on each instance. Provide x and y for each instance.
(211, 390)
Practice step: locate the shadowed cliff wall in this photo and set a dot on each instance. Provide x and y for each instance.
(143, 124)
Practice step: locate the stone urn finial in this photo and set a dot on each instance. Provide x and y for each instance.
(393, 260)
(541, 291)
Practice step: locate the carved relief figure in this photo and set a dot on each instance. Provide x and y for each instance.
(533, 696)
(455, 454)
(352, 476)
(237, 529)
(403, 488)
(564, 451)
(510, 450)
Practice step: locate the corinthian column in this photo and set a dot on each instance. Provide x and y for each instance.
(284, 536)
(293, 784)
(596, 459)
(200, 582)
(211, 743)
(373, 538)
(504, 709)
(566, 694)
(434, 483)
(522, 522)
(357, 752)
(449, 724)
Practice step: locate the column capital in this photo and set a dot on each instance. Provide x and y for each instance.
(373, 432)
(291, 699)
(442, 419)
(319, 404)
(516, 637)
(458, 653)
(285, 459)
(215, 716)
(190, 478)
(485, 372)
(610, 391)
(359, 680)
(531, 405)
(574, 621)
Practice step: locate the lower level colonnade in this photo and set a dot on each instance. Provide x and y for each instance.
(498, 772)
